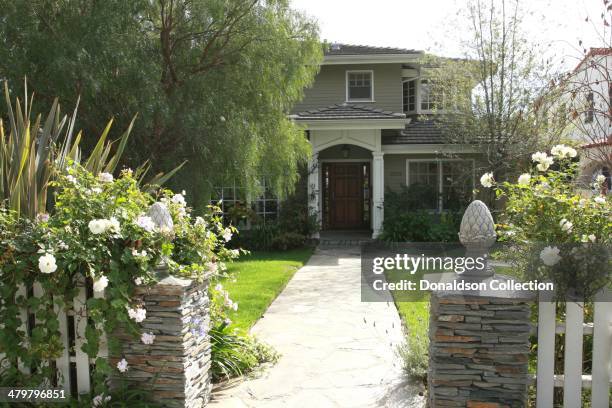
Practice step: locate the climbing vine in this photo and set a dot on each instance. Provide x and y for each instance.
(99, 232)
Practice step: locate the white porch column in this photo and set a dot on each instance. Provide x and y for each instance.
(314, 190)
(378, 193)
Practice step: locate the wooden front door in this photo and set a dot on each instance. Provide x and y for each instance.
(347, 194)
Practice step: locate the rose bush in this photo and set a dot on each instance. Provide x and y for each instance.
(555, 233)
(98, 233)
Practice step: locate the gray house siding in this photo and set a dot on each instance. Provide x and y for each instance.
(330, 87)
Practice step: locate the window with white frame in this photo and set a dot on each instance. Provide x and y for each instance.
(443, 184)
(239, 209)
(431, 97)
(409, 95)
(359, 86)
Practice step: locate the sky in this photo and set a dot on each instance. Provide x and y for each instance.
(433, 25)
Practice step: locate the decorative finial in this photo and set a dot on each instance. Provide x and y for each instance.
(477, 234)
(160, 215)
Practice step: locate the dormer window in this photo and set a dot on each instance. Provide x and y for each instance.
(359, 86)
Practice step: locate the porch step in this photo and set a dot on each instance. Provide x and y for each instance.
(342, 243)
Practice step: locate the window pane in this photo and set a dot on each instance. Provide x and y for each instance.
(360, 85)
(457, 184)
(424, 182)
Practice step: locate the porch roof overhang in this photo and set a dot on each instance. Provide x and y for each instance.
(350, 116)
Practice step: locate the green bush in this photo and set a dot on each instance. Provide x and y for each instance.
(234, 354)
(421, 226)
(288, 240)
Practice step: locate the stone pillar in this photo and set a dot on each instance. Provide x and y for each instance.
(314, 189)
(175, 369)
(479, 351)
(378, 193)
(479, 339)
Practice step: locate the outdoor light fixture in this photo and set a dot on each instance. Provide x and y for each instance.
(345, 151)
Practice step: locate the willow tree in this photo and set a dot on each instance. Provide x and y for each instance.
(211, 80)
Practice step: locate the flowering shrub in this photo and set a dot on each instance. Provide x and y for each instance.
(555, 233)
(98, 232)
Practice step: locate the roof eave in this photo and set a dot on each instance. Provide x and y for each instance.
(371, 59)
(333, 124)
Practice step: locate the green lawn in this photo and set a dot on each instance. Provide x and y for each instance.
(259, 279)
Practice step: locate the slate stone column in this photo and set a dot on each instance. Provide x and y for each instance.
(175, 369)
(479, 349)
(479, 339)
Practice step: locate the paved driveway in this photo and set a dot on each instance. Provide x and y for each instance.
(336, 350)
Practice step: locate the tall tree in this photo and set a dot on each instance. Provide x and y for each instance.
(487, 98)
(211, 80)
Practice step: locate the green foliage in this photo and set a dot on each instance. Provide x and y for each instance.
(234, 354)
(554, 232)
(415, 352)
(295, 225)
(29, 148)
(421, 226)
(413, 198)
(211, 80)
(97, 233)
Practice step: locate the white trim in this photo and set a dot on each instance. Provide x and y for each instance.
(428, 148)
(439, 162)
(371, 59)
(346, 84)
(340, 124)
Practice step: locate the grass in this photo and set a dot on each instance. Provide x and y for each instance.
(259, 278)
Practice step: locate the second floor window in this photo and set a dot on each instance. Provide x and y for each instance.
(430, 97)
(409, 95)
(359, 86)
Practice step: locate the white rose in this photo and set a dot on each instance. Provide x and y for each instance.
(100, 284)
(178, 199)
(46, 263)
(563, 152)
(600, 200)
(566, 225)
(600, 179)
(545, 164)
(105, 177)
(138, 281)
(138, 314)
(227, 234)
(122, 365)
(538, 157)
(147, 338)
(487, 180)
(146, 223)
(97, 226)
(113, 225)
(524, 179)
(550, 256)
(592, 238)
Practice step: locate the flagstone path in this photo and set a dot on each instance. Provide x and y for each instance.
(336, 351)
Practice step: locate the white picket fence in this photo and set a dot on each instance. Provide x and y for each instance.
(73, 367)
(573, 381)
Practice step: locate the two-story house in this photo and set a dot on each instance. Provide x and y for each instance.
(370, 120)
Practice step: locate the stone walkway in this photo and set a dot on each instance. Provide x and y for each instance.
(336, 351)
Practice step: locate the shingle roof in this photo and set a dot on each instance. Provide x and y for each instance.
(418, 132)
(349, 49)
(347, 111)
